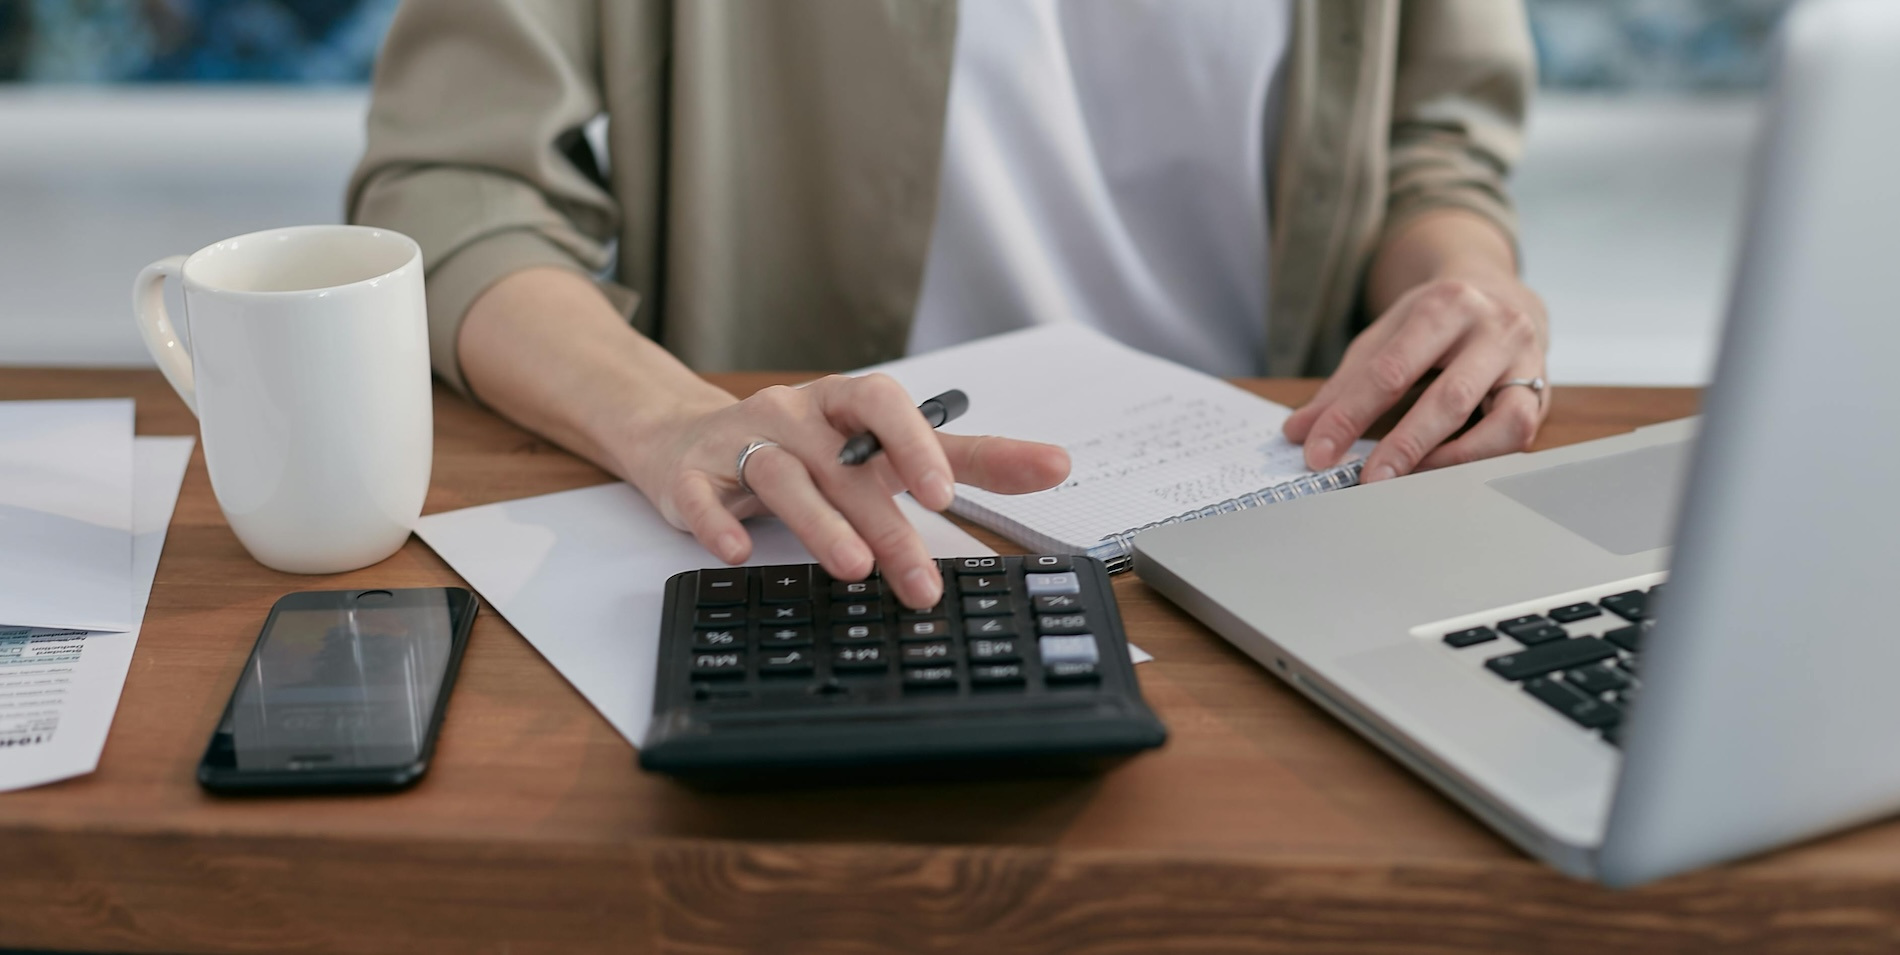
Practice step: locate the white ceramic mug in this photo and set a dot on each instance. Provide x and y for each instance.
(308, 369)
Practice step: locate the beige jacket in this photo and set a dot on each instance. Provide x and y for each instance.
(774, 162)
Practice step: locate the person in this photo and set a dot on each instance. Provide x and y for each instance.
(1249, 186)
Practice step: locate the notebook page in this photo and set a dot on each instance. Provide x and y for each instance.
(1148, 439)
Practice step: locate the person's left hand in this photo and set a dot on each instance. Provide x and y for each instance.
(1477, 331)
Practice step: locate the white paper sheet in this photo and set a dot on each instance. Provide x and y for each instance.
(60, 688)
(66, 514)
(582, 574)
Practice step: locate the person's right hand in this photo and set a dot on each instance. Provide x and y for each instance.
(844, 515)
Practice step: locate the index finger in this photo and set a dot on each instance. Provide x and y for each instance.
(878, 404)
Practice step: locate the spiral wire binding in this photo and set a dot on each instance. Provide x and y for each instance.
(1117, 551)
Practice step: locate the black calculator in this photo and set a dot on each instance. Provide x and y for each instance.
(774, 672)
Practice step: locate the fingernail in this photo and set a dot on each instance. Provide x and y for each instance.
(1382, 473)
(1319, 452)
(924, 581)
(939, 489)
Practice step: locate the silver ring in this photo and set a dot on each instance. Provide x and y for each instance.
(1537, 386)
(747, 453)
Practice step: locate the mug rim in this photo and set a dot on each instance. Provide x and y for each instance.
(186, 278)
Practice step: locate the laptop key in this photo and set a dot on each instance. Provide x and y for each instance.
(1631, 605)
(1544, 633)
(1471, 637)
(1533, 629)
(1629, 638)
(1596, 679)
(1586, 711)
(1575, 612)
(1549, 658)
(1513, 625)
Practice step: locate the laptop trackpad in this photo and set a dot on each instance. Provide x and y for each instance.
(1624, 503)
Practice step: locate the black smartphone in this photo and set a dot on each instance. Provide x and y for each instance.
(345, 689)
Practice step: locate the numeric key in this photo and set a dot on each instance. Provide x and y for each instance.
(721, 665)
(787, 663)
(856, 590)
(1065, 623)
(988, 627)
(719, 618)
(781, 584)
(723, 585)
(859, 658)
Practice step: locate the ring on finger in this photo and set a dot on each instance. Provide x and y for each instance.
(1537, 385)
(739, 468)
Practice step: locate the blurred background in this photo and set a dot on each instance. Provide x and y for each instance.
(134, 129)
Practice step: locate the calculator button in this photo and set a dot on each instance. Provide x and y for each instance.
(911, 613)
(1040, 584)
(779, 584)
(923, 629)
(993, 651)
(787, 614)
(727, 639)
(724, 585)
(718, 665)
(1076, 649)
(989, 627)
(718, 617)
(937, 651)
(786, 663)
(856, 589)
(859, 658)
(785, 636)
(987, 606)
(982, 566)
(924, 678)
(1062, 623)
(995, 674)
(1070, 672)
(984, 584)
(855, 611)
(857, 632)
(1047, 564)
(1057, 603)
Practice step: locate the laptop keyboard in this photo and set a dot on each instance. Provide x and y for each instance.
(1576, 653)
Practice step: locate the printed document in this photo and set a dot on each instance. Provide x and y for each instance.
(60, 687)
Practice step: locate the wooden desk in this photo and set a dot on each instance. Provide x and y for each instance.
(1262, 826)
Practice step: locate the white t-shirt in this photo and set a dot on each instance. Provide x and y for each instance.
(1105, 162)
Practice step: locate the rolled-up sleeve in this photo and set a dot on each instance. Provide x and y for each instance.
(475, 125)
(1466, 69)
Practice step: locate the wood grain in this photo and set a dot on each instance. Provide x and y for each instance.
(1263, 826)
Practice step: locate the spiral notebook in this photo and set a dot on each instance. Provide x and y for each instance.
(1150, 442)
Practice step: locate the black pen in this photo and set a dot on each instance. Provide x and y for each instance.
(938, 411)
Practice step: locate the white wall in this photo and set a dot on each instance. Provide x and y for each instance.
(94, 184)
(1629, 209)
(1631, 215)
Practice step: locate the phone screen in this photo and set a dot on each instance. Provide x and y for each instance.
(342, 680)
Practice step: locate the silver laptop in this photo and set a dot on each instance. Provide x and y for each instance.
(1503, 628)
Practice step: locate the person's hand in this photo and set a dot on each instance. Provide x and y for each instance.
(844, 515)
(1476, 332)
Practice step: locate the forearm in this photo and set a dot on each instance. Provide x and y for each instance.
(545, 349)
(1444, 244)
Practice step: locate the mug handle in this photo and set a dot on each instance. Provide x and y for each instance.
(155, 326)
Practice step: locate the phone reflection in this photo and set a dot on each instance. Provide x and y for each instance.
(342, 688)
